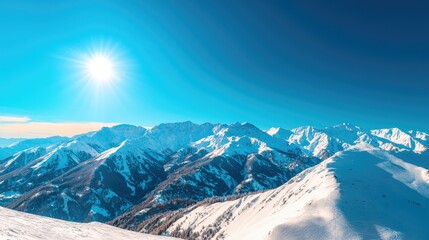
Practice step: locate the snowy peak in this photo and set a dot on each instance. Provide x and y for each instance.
(30, 143)
(66, 155)
(129, 148)
(26, 143)
(243, 129)
(273, 130)
(239, 145)
(399, 139)
(179, 128)
(239, 138)
(34, 167)
(420, 135)
(345, 132)
(392, 134)
(109, 137)
(5, 142)
(315, 142)
(20, 159)
(327, 141)
(303, 135)
(346, 127)
(280, 133)
(174, 136)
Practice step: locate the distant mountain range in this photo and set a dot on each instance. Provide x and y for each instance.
(130, 175)
(4, 142)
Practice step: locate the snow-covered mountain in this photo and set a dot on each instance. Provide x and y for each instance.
(4, 142)
(234, 159)
(359, 193)
(97, 189)
(325, 142)
(101, 175)
(30, 143)
(396, 139)
(128, 174)
(24, 226)
(31, 168)
(112, 137)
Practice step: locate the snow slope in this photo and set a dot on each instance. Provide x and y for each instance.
(360, 193)
(23, 226)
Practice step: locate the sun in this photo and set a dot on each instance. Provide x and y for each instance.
(100, 68)
(100, 65)
(98, 73)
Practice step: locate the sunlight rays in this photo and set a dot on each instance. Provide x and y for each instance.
(98, 73)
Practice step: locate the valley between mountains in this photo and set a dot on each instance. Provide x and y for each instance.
(232, 181)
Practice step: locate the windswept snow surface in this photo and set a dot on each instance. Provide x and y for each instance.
(359, 193)
(23, 226)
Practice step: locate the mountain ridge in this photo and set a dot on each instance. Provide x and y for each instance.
(126, 174)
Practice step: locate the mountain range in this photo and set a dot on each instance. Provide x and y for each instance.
(130, 176)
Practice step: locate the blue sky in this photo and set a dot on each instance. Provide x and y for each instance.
(271, 63)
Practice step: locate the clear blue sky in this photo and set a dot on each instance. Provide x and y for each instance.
(271, 63)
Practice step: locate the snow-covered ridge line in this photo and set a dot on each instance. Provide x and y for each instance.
(317, 142)
(326, 141)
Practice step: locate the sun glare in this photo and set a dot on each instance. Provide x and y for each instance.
(98, 73)
(100, 68)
